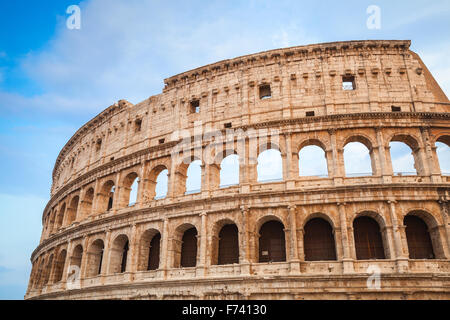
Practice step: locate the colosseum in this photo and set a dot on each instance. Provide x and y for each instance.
(113, 229)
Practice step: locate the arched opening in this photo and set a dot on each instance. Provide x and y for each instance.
(47, 271)
(130, 190)
(402, 159)
(228, 245)
(149, 248)
(318, 241)
(86, 205)
(154, 251)
(106, 197)
(189, 248)
(357, 160)
(162, 182)
(72, 210)
(368, 239)
(272, 245)
(119, 255)
(60, 216)
(270, 166)
(194, 177)
(95, 261)
(229, 171)
(75, 263)
(133, 193)
(443, 154)
(418, 238)
(312, 161)
(60, 264)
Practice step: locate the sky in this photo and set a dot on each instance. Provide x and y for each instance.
(54, 79)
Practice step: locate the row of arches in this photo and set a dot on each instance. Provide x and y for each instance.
(314, 160)
(319, 244)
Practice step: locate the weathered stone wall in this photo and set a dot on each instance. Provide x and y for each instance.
(127, 141)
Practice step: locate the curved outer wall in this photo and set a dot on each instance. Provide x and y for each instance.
(126, 141)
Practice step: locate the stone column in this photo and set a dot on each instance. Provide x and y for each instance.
(386, 169)
(134, 251)
(430, 156)
(84, 259)
(142, 185)
(291, 164)
(164, 248)
(399, 251)
(106, 254)
(443, 205)
(347, 261)
(294, 259)
(117, 193)
(67, 262)
(244, 243)
(338, 163)
(201, 269)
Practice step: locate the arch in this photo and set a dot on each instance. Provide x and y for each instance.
(358, 157)
(189, 248)
(194, 177)
(119, 254)
(106, 196)
(443, 154)
(272, 243)
(72, 209)
(368, 239)
(60, 264)
(402, 158)
(318, 240)
(75, 262)
(39, 273)
(270, 166)
(60, 216)
(47, 271)
(312, 160)
(418, 238)
(95, 258)
(311, 142)
(86, 204)
(360, 138)
(52, 221)
(229, 171)
(129, 190)
(432, 228)
(149, 250)
(228, 245)
(412, 143)
(158, 182)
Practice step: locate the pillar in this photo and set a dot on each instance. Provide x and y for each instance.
(294, 259)
(347, 261)
(399, 251)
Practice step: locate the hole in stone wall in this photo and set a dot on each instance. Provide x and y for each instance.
(348, 83)
(137, 125)
(264, 91)
(195, 106)
(310, 113)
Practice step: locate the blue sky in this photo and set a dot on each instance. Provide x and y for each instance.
(53, 80)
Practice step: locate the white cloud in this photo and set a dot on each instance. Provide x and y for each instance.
(125, 49)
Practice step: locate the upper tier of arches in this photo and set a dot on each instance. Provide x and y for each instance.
(292, 83)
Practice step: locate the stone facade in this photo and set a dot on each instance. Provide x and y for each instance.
(394, 98)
